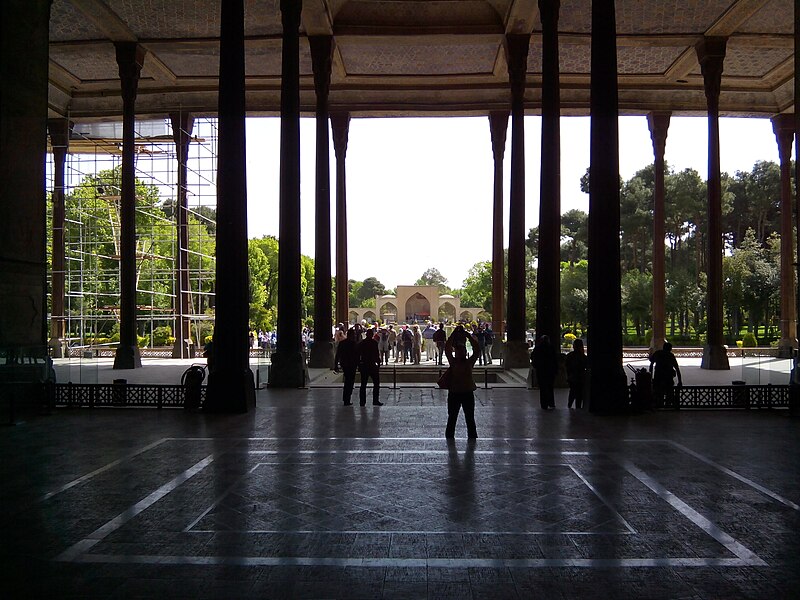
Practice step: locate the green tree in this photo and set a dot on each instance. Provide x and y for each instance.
(433, 276)
(637, 295)
(476, 290)
(574, 294)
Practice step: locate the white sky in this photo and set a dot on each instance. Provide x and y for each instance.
(412, 182)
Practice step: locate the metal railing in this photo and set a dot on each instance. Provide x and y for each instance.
(114, 395)
(728, 397)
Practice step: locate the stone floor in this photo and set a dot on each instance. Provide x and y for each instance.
(305, 498)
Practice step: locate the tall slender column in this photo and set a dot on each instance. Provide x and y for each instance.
(548, 284)
(783, 125)
(322, 351)
(130, 57)
(59, 130)
(230, 382)
(658, 124)
(288, 362)
(711, 54)
(516, 347)
(182, 124)
(498, 125)
(607, 390)
(340, 123)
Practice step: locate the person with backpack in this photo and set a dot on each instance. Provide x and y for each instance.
(408, 343)
(439, 338)
(663, 368)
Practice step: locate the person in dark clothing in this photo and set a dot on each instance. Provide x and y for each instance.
(369, 363)
(666, 367)
(480, 337)
(488, 341)
(347, 359)
(461, 386)
(439, 338)
(544, 361)
(576, 374)
(408, 344)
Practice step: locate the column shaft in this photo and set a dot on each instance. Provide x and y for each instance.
(182, 124)
(341, 125)
(498, 125)
(607, 390)
(59, 130)
(658, 124)
(230, 382)
(130, 57)
(288, 362)
(516, 347)
(711, 54)
(322, 352)
(783, 125)
(548, 280)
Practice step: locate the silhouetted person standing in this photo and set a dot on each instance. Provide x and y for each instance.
(347, 358)
(576, 374)
(461, 387)
(369, 363)
(439, 338)
(665, 365)
(544, 361)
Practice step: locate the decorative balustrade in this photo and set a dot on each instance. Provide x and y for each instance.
(110, 395)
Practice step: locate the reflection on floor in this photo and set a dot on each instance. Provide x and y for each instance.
(305, 498)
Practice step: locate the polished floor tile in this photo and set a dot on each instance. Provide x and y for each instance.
(305, 498)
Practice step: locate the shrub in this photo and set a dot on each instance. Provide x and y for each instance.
(648, 337)
(749, 340)
(161, 335)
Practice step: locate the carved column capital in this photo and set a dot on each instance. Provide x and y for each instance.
(783, 126)
(516, 47)
(340, 124)
(321, 60)
(498, 126)
(711, 56)
(658, 124)
(130, 58)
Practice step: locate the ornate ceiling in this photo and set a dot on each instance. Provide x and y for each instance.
(400, 57)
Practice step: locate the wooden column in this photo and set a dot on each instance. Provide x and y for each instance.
(288, 361)
(322, 352)
(59, 130)
(516, 347)
(658, 124)
(548, 277)
(711, 54)
(130, 58)
(340, 124)
(230, 382)
(608, 392)
(182, 124)
(783, 126)
(23, 156)
(498, 125)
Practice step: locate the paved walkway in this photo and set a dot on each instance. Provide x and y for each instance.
(305, 498)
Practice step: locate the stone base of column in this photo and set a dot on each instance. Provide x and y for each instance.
(498, 349)
(128, 357)
(187, 351)
(56, 346)
(288, 370)
(517, 355)
(786, 348)
(715, 358)
(321, 355)
(608, 392)
(230, 391)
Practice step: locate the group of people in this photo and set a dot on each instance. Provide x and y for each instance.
(407, 343)
(544, 361)
(365, 356)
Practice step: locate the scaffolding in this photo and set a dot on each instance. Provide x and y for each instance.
(91, 232)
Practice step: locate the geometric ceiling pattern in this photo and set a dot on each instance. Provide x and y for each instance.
(402, 57)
